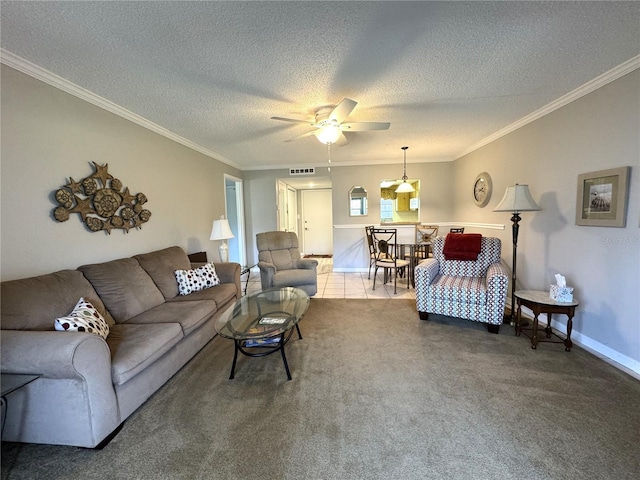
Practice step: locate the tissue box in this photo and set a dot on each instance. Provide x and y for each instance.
(561, 294)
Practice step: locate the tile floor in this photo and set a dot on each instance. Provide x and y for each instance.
(344, 285)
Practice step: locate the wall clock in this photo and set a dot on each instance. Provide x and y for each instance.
(482, 189)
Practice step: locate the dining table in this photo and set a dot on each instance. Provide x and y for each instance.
(409, 250)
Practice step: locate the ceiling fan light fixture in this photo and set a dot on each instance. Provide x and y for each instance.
(329, 126)
(405, 187)
(329, 134)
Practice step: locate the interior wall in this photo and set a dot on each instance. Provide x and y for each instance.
(436, 190)
(596, 132)
(350, 250)
(49, 136)
(436, 195)
(260, 196)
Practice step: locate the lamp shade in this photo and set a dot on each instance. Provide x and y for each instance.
(517, 199)
(221, 230)
(405, 187)
(329, 134)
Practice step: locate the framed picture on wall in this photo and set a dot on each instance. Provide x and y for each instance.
(602, 198)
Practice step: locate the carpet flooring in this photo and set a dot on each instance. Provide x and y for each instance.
(376, 394)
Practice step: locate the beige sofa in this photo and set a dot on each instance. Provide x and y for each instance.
(88, 386)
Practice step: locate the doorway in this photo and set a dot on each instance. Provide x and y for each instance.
(234, 208)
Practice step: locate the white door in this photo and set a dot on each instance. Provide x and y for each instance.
(317, 222)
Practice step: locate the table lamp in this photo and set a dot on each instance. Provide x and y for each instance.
(516, 199)
(222, 231)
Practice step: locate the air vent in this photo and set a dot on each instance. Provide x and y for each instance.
(302, 171)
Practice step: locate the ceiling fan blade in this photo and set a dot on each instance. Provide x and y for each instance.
(364, 126)
(308, 134)
(342, 110)
(342, 140)
(295, 120)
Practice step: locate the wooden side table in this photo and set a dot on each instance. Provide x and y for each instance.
(540, 302)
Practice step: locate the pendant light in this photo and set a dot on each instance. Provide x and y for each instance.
(405, 187)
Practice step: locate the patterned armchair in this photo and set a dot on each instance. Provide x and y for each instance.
(474, 290)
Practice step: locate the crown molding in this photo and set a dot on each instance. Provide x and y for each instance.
(14, 61)
(600, 81)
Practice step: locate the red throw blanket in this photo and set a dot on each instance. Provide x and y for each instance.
(462, 246)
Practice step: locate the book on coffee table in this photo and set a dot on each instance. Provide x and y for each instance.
(262, 342)
(272, 320)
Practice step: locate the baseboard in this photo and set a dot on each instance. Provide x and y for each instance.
(612, 357)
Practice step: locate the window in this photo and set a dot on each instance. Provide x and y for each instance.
(386, 210)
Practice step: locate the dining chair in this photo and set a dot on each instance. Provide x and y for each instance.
(372, 248)
(424, 235)
(385, 242)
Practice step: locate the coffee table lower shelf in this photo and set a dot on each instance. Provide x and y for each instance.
(263, 350)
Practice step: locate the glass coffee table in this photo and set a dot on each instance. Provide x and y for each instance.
(262, 323)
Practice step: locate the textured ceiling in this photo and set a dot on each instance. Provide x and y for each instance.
(445, 74)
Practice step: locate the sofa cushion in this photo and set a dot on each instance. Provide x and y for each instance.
(197, 279)
(491, 248)
(221, 294)
(135, 347)
(278, 248)
(83, 318)
(160, 266)
(459, 289)
(124, 287)
(190, 315)
(34, 303)
(294, 278)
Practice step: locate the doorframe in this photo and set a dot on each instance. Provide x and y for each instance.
(237, 226)
(292, 210)
(281, 204)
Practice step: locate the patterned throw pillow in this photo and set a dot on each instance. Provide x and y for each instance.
(203, 277)
(83, 318)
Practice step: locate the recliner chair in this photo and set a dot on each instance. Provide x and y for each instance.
(280, 263)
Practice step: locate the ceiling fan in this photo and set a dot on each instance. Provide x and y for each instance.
(328, 125)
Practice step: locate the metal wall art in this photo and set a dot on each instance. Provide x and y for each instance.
(102, 202)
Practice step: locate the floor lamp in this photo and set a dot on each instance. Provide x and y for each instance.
(516, 199)
(222, 231)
